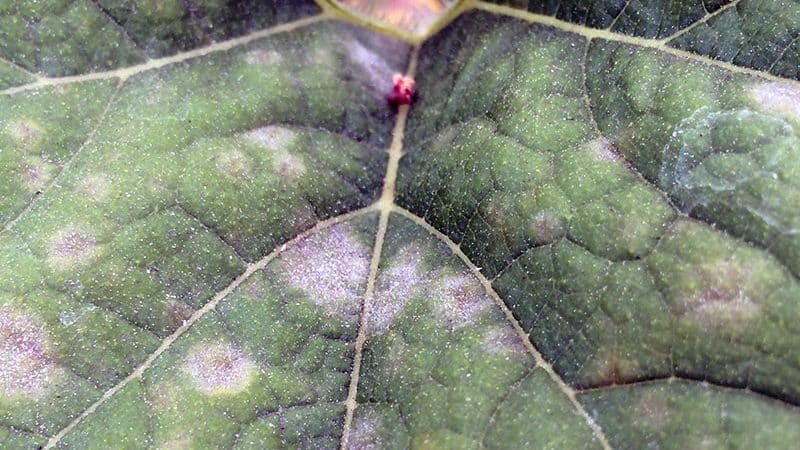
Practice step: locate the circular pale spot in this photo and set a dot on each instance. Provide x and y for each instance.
(95, 187)
(220, 369)
(25, 362)
(70, 247)
(234, 164)
(25, 133)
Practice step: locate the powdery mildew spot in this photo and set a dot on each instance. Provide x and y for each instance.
(219, 369)
(70, 247)
(502, 340)
(278, 140)
(547, 227)
(397, 283)
(36, 173)
(607, 366)
(331, 267)
(377, 70)
(724, 298)
(458, 299)
(603, 150)
(26, 366)
(363, 433)
(233, 164)
(263, 57)
(95, 187)
(776, 97)
(653, 410)
(25, 133)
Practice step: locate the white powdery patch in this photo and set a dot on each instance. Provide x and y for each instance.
(331, 267)
(726, 297)
(779, 98)
(220, 369)
(603, 150)
(503, 340)
(458, 299)
(278, 140)
(377, 71)
(547, 227)
(70, 247)
(26, 367)
(95, 187)
(233, 164)
(397, 283)
(25, 132)
(363, 433)
(36, 173)
(263, 57)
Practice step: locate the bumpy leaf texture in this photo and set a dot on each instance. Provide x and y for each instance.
(217, 233)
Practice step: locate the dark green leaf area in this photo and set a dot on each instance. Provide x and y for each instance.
(234, 382)
(517, 164)
(39, 132)
(63, 37)
(66, 37)
(701, 306)
(722, 145)
(194, 169)
(442, 366)
(167, 27)
(761, 34)
(650, 19)
(684, 415)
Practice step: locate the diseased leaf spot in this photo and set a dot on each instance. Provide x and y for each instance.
(331, 267)
(26, 366)
(95, 187)
(503, 340)
(380, 74)
(220, 369)
(278, 140)
(363, 433)
(607, 366)
(547, 227)
(723, 298)
(603, 149)
(263, 57)
(233, 164)
(70, 247)
(36, 173)
(779, 98)
(456, 298)
(25, 133)
(396, 285)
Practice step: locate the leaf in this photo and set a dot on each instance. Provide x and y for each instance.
(218, 233)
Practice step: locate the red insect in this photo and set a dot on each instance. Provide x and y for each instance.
(402, 91)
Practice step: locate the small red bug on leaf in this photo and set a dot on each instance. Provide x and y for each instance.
(402, 91)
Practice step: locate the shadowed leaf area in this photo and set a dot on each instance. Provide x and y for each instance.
(593, 240)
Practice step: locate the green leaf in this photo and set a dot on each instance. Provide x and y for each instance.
(219, 233)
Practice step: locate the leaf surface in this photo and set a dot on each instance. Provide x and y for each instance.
(218, 233)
